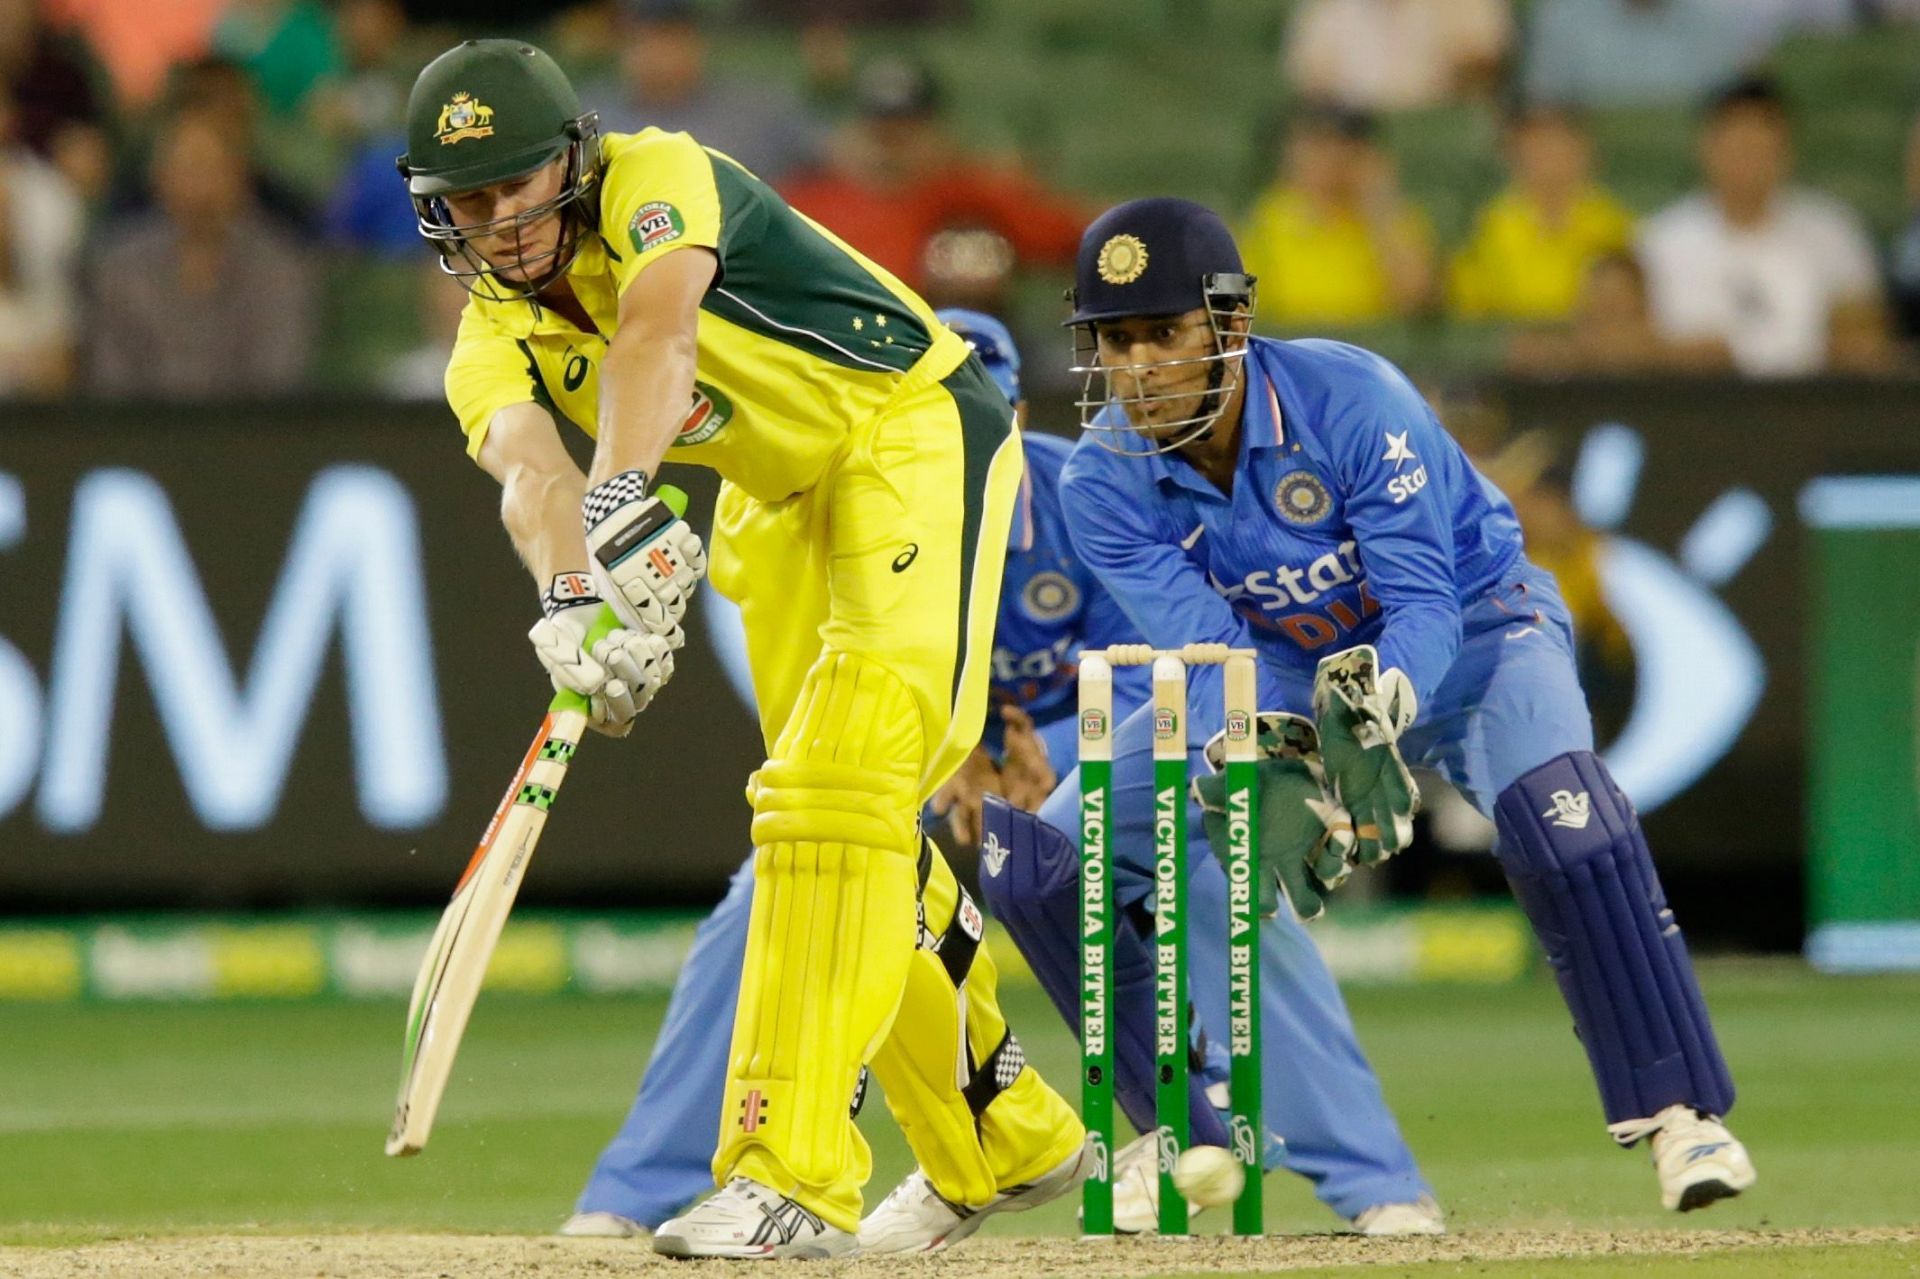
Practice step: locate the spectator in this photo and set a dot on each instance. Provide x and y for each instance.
(1534, 242)
(362, 108)
(60, 110)
(42, 223)
(1630, 53)
(221, 90)
(366, 96)
(1612, 332)
(896, 182)
(203, 298)
(1785, 276)
(1332, 241)
(287, 47)
(1906, 246)
(139, 43)
(1396, 55)
(664, 81)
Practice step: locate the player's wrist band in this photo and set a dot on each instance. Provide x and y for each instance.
(568, 590)
(608, 496)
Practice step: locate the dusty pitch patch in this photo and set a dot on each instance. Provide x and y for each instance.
(513, 1257)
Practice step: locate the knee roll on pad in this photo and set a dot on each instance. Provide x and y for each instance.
(846, 768)
(1571, 847)
(1030, 881)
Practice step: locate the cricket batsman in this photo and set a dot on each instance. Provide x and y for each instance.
(1300, 498)
(661, 297)
(1334, 1125)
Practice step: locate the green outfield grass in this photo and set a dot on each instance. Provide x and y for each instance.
(119, 1119)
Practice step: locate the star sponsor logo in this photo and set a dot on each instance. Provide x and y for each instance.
(463, 118)
(1301, 497)
(654, 224)
(1398, 451)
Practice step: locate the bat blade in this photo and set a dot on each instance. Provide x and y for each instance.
(455, 966)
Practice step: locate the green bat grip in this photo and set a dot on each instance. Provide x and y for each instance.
(607, 620)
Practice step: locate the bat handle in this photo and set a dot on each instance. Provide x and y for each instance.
(608, 620)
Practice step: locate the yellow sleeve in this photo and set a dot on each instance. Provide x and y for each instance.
(659, 195)
(488, 372)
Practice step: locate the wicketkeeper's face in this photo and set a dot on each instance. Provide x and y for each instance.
(506, 230)
(1160, 367)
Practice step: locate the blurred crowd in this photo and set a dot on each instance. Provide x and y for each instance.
(182, 185)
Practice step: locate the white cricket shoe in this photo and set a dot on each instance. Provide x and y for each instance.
(1421, 1216)
(1136, 1188)
(603, 1225)
(1697, 1159)
(747, 1221)
(918, 1218)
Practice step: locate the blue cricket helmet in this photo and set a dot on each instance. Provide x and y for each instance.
(1157, 256)
(992, 342)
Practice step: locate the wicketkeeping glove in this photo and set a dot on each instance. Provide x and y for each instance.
(1361, 711)
(1303, 837)
(646, 560)
(617, 674)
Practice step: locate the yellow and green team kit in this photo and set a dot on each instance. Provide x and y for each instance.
(870, 470)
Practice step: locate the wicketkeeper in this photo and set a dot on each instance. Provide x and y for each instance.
(1302, 499)
(665, 300)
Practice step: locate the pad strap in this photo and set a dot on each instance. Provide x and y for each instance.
(995, 1075)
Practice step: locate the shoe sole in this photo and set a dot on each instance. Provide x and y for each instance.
(680, 1250)
(1702, 1193)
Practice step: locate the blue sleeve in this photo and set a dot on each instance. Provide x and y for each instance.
(1404, 532)
(1104, 622)
(1120, 536)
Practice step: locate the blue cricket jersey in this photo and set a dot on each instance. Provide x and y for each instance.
(1052, 605)
(1354, 519)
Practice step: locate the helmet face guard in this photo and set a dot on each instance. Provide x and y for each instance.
(574, 204)
(1229, 301)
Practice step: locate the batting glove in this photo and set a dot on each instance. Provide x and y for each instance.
(646, 560)
(618, 674)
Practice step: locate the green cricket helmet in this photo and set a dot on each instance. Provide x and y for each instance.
(487, 112)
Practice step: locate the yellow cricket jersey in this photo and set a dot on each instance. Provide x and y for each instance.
(800, 337)
(1520, 266)
(1320, 270)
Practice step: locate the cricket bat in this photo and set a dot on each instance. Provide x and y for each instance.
(456, 962)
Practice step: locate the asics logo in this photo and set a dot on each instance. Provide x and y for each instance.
(904, 559)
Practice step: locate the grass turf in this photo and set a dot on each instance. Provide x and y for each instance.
(236, 1117)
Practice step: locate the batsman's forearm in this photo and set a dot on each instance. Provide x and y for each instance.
(541, 511)
(646, 386)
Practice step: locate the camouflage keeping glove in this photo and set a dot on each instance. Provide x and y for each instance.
(1304, 837)
(1361, 711)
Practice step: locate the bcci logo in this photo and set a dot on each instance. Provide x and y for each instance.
(654, 224)
(1048, 597)
(1093, 725)
(1239, 726)
(464, 117)
(1302, 498)
(1166, 722)
(1570, 810)
(1122, 260)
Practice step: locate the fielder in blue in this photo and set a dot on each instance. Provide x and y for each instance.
(1331, 1123)
(1301, 498)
